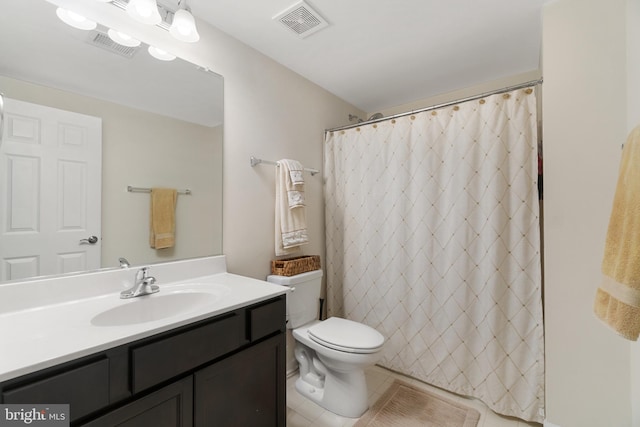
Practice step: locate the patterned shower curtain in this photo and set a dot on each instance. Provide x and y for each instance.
(432, 229)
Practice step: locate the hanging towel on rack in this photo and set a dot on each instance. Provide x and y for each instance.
(618, 297)
(162, 218)
(295, 182)
(291, 222)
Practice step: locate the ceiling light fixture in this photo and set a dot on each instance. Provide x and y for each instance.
(75, 20)
(145, 11)
(183, 26)
(123, 38)
(160, 54)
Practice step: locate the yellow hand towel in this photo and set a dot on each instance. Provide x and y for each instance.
(618, 298)
(162, 220)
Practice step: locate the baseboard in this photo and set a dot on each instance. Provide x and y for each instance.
(548, 424)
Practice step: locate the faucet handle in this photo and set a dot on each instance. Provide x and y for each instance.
(142, 274)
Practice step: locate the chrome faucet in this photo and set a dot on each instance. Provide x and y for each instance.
(144, 285)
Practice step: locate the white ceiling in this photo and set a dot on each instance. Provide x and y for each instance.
(377, 54)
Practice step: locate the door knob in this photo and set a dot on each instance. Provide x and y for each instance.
(91, 240)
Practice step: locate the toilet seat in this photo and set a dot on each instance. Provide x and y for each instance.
(346, 335)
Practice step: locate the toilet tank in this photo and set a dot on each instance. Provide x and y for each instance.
(303, 301)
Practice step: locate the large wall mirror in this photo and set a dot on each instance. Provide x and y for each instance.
(160, 125)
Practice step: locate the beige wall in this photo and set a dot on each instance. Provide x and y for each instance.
(146, 150)
(633, 120)
(271, 113)
(585, 121)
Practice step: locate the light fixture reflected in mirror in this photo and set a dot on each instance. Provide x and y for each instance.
(122, 38)
(160, 54)
(145, 11)
(75, 20)
(183, 26)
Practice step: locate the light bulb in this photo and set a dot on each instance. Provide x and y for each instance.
(160, 54)
(145, 11)
(122, 38)
(75, 19)
(183, 27)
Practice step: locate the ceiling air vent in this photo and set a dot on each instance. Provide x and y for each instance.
(103, 41)
(301, 19)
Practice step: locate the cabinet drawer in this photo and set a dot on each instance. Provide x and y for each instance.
(84, 388)
(169, 357)
(266, 319)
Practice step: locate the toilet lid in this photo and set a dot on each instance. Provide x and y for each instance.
(346, 335)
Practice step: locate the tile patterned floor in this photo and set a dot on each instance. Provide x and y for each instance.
(301, 412)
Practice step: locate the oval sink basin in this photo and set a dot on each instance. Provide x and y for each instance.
(154, 307)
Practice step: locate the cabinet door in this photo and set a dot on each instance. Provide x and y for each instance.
(171, 406)
(246, 389)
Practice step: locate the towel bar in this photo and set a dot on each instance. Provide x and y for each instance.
(256, 161)
(148, 190)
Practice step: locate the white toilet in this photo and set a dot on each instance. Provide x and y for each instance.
(332, 353)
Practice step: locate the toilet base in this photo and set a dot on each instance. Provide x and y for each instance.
(332, 378)
(343, 394)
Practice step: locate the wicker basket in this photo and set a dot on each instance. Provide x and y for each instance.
(296, 265)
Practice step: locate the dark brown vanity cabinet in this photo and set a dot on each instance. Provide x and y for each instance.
(228, 370)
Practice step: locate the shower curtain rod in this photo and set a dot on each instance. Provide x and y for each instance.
(446, 104)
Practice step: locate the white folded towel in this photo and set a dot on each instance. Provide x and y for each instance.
(295, 198)
(295, 182)
(291, 222)
(295, 171)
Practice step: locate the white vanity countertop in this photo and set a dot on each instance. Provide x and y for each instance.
(39, 337)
